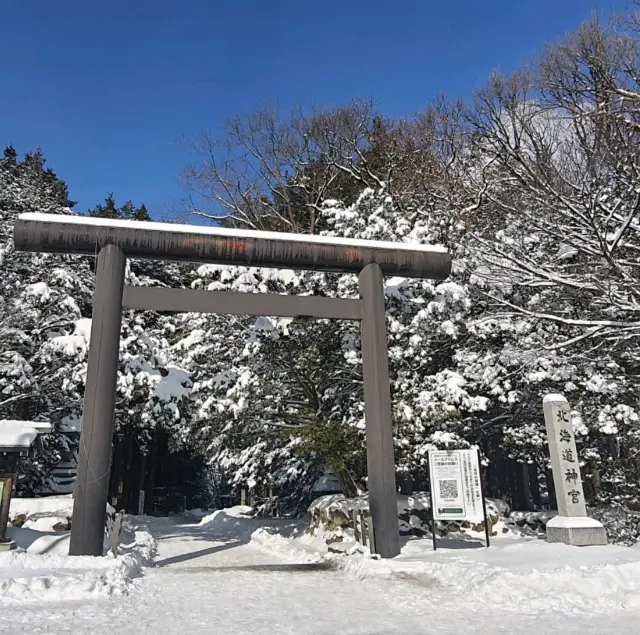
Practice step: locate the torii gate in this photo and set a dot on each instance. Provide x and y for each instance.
(114, 241)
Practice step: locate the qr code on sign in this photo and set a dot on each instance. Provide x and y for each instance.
(448, 489)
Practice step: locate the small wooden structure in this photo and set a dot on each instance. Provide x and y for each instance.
(18, 439)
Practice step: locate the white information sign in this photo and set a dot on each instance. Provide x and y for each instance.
(456, 491)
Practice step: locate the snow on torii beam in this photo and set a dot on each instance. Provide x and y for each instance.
(113, 241)
(55, 233)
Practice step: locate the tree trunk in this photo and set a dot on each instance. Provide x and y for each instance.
(406, 484)
(128, 498)
(535, 486)
(527, 496)
(347, 484)
(551, 489)
(142, 504)
(151, 481)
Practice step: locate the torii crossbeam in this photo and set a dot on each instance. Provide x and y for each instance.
(114, 241)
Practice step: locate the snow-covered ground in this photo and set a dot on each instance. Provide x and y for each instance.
(228, 573)
(40, 571)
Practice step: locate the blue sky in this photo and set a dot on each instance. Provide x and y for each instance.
(108, 89)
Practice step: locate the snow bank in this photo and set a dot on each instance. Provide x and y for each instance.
(511, 576)
(239, 511)
(235, 522)
(39, 507)
(333, 514)
(197, 513)
(241, 524)
(303, 549)
(335, 509)
(222, 517)
(518, 577)
(40, 569)
(49, 575)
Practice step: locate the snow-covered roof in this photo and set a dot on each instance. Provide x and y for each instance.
(21, 434)
(59, 219)
(14, 436)
(41, 427)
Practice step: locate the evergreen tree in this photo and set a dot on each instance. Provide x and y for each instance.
(41, 297)
(127, 211)
(533, 188)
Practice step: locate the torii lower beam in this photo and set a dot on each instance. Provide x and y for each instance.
(235, 303)
(114, 241)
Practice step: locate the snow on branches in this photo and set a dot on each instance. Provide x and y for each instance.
(534, 187)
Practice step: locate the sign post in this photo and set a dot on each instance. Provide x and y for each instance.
(6, 484)
(484, 507)
(456, 488)
(572, 526)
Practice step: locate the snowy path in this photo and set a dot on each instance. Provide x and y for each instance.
(202, 585)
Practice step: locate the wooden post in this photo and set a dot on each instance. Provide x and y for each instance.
(363, 528)
(354, 519)
(383, 503)
(433, 515)
(129, 499)
(367, 527)
(142, 484)
(7, 480)
(487, 533)
(94, 453)
(151, 481)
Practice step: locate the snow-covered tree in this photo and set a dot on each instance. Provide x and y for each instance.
(45, 325)
(41, 297)
(533, 186)
(557, 234)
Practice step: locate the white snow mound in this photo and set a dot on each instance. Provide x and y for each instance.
(34, 508)
(52, 577)
(513, 575)
(40, 569)
(234, 521)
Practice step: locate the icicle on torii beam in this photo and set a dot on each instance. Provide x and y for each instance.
(114, 241)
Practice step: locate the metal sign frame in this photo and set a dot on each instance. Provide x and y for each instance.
(114, 241)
